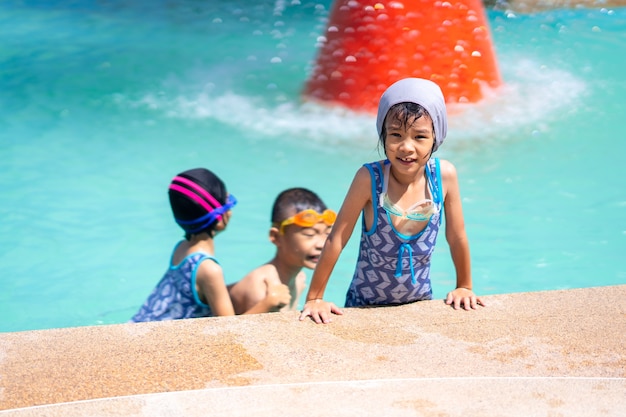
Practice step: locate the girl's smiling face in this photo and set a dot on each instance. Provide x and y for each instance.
(409, 140)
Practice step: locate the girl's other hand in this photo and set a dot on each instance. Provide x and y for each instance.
(320, 311)
(464, 297)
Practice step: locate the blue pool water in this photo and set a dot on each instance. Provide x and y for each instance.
(101, 103)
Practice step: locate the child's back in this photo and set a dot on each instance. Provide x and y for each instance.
(193, 285)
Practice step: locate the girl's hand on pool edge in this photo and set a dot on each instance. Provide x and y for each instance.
(464, 297)
(319, 310)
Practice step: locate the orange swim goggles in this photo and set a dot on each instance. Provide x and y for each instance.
(309, 218)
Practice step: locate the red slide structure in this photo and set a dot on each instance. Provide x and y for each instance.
(369, 45)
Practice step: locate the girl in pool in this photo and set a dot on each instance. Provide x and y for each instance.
(402, 200)
(194, 285)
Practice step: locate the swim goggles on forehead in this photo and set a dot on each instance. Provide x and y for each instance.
(214, 209)
(421, 211)
(309, 218)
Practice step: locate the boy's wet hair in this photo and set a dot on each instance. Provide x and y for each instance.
(294, 200)
(404, 113)
(187, 209)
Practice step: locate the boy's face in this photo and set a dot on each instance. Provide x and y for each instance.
(302, 246)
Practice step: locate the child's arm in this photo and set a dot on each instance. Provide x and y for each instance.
(457, 240)
(276, 297)
(212, 288)
(259, 292)
(358, 196)
(296, 287)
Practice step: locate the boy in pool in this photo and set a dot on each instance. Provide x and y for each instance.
(194, 285)
(402, 199)
(301, 223)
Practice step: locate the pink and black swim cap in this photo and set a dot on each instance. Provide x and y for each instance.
(198, 199)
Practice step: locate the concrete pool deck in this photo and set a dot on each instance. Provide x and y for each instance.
(556, 353)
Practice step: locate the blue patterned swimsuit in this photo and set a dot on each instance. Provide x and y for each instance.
(175, 296)
(393, 268)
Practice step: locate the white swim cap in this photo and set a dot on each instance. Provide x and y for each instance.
(420, 91)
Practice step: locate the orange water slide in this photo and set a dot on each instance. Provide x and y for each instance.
(369, 45)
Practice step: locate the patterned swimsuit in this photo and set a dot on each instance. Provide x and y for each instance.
(393, 268)
(175, 296)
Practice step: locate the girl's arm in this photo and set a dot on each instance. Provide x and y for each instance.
(457, 240)
(358, 196)
(212, 288)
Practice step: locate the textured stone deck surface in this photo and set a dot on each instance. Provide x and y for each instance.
(553, 353)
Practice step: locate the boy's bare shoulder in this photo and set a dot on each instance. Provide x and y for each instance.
(261, 275)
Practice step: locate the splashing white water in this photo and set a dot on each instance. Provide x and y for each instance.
(531, 97)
